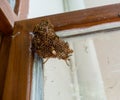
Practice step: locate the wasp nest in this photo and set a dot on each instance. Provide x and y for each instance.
(47, 44)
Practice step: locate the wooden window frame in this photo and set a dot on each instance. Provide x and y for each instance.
(20, 57)
(21, 8)
(9, 16)
(7, 20)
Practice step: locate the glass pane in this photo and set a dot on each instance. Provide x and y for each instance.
(45, 7)
(94, 69)
(12, 3)
(37, 79)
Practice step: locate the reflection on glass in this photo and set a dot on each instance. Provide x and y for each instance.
(12, 3)
(37, 79)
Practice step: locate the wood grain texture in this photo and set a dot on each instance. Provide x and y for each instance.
(0, 39)
(17, 7)
(4, 56)
(14, 78)
(78, 19)
(18, 76)
(21, 8)
(7, 17)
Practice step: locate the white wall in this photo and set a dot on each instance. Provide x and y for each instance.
(94, 3)
(57, 81)
(86, 78)
(107, 49)
(88, 71)
(45, 7)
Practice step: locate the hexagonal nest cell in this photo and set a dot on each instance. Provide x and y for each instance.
(47, 44)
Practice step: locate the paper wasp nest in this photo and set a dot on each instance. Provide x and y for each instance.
(47, 44)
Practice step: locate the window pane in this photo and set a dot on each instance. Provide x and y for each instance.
(45, 7)
(12, 3)
(37, 79)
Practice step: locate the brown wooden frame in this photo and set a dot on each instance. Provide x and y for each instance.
(18, 77)
(7, 20)
(8, 16)
(77, 19)
(21, 8)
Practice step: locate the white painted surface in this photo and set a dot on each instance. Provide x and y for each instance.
(96, 66)
(95, 3)
(88, 72)
(71, 5)
(107, 49)
(45, 7)
(76, 4)
(57, 81)
(40, 8)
